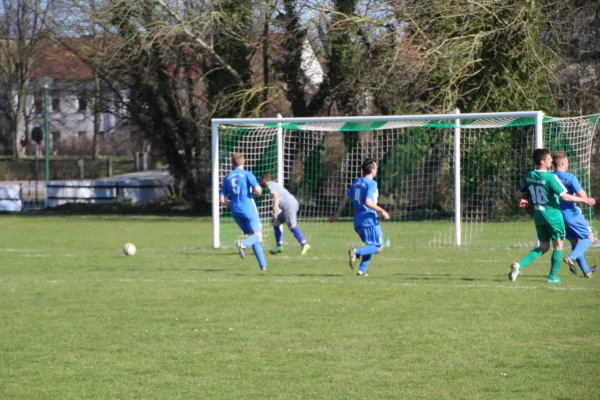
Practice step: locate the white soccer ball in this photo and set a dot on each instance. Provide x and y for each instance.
(129, 249)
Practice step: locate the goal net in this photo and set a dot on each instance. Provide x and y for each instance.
(445, 180)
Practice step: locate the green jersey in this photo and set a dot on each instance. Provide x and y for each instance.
(545, 189)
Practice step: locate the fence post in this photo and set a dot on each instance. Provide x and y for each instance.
(137, 161)
(109, 170)
(81, 170)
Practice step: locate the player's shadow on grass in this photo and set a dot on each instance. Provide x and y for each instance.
(316, 275)
(232, 253)
(166, 269)
(521, 278)
(276, 273)
(435, 277)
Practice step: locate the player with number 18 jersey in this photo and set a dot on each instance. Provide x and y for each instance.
(545, 188)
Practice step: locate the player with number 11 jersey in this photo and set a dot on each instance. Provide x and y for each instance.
(363, 194)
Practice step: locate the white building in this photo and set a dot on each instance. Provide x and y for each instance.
(69, 87)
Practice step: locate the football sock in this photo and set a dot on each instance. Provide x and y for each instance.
(580, 248)
(278, 235)
(530, 257)
(250, 240)
(260, 255)
(556, 261)
(364, 263)
(298, 235)
(583, 264)
(367, 250)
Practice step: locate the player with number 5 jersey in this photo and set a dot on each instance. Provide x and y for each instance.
(546, 191)
(237, 191)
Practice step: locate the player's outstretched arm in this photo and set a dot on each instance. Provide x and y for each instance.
(256, 191)
(341, 207)
(588, 201)
(276, 209)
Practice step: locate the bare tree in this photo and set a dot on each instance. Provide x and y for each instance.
(23, 30)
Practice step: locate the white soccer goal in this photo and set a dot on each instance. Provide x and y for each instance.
(446, 180)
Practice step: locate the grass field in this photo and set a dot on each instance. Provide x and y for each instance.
(179, 320)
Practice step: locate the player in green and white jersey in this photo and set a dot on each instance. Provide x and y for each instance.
(546, 191)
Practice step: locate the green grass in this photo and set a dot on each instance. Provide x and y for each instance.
(78, 320)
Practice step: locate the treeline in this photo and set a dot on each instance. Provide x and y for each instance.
(175, 64)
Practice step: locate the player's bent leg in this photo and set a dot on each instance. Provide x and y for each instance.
(241, 248)
(568, 259)
(517, 267)
(364, 264)
(260, 256)
(580, 247)
(532, 256)
(352, 258)
(514, 271)
(251, 240)
(305, 248)
(593, 269)
(278, 230)
(367, 250)
(556, 261)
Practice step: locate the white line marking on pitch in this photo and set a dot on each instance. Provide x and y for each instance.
(330, 282)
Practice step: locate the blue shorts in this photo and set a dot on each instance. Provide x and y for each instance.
(576, 226)
(370, 234)
(248, 224)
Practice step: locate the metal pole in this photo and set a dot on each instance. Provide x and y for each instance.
(280, 155)
(215, 186)
(36, 173)
(539, 130)
(46, 142)
(457, 182)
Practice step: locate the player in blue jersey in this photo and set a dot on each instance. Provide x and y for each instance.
(578, 230)
(363, 194)
(237, 191)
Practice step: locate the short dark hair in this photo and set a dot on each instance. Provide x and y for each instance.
(266, 177)
(558, 157)
(368, 165)
(539, 155)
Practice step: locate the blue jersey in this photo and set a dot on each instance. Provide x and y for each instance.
(573, 186)
(237, 187)
(361, 190)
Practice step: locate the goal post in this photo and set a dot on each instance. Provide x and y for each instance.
(445, 179)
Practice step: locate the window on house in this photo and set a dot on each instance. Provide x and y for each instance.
(55, 104)
(55, 137)
(83, 102)
(38, 103)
